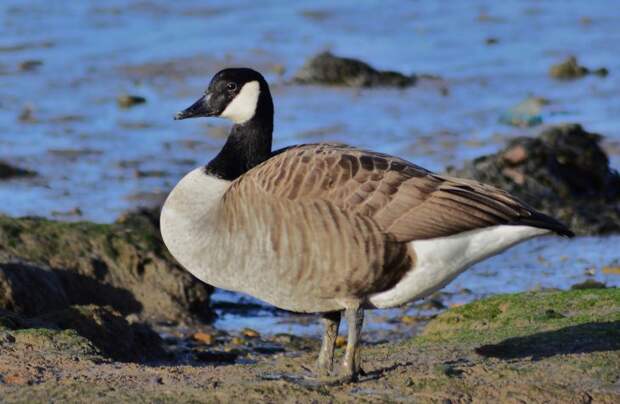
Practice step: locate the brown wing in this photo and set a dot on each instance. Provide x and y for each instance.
(406, 201)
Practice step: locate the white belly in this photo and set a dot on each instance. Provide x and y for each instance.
(440, 260)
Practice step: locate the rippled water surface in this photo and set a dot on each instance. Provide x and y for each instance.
(61, 118)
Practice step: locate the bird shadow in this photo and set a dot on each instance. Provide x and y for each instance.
(582, 338)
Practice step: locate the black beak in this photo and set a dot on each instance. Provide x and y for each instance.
(199, 108)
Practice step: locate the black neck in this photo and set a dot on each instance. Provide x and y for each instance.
(248, 144)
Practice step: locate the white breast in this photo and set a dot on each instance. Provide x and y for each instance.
(440, 260)
(188, 217)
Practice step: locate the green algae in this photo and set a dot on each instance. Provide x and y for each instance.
(504, 316)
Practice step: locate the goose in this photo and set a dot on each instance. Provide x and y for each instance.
(328, 228)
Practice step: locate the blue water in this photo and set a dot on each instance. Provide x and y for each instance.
(88, 150)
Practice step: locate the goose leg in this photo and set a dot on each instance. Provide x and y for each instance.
(351, 365)
(325, 363)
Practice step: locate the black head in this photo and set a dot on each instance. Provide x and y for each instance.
(236, 93)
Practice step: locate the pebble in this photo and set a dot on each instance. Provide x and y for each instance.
(237, 341)
(571, 69)
(250, 333)
(204, 338)
(28, 65)
(340, 341)
(127, 101)
(409, 319)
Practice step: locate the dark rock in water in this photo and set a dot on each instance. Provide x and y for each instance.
(571, 69)
(563, 172)
(127, 101)
(8, 171)
(49, 264)
(588, 284)
(30, 64)
(328, 69)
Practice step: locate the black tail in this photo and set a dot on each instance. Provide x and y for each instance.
(540, 220)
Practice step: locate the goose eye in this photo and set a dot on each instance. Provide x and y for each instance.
(231, 86)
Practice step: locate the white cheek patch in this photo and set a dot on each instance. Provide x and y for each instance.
(243, 107)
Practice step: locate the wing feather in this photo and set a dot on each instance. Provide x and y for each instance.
(407, 201)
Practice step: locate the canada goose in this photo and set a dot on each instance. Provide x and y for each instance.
(327, 228)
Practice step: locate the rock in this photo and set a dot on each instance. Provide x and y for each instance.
(31, 64)
(250, 333)
(204, 338)
(341, 341)
(237, 341)
(563, 172)
(27, 115)
(123, 265)
(570, 69)
(108, 330)
(409, 320)
(30, 289)
(588, 284)
(128, 101)
(328, 69)
(525, 114)
(44, 338)
(8, 171)
(86, 332)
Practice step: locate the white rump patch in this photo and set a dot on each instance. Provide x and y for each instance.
(440, 260)
(243, 107)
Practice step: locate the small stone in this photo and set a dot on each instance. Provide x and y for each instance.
(601, 71)
(409, 320)
(432, 304)
(340, 341)
(237, 341)
(28, 65)
(204, 338)
(27, 114)
(149, 173)
(127, 101)
(250, 333)
(570, 69)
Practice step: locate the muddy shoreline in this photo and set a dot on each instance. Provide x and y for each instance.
(534, 347)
